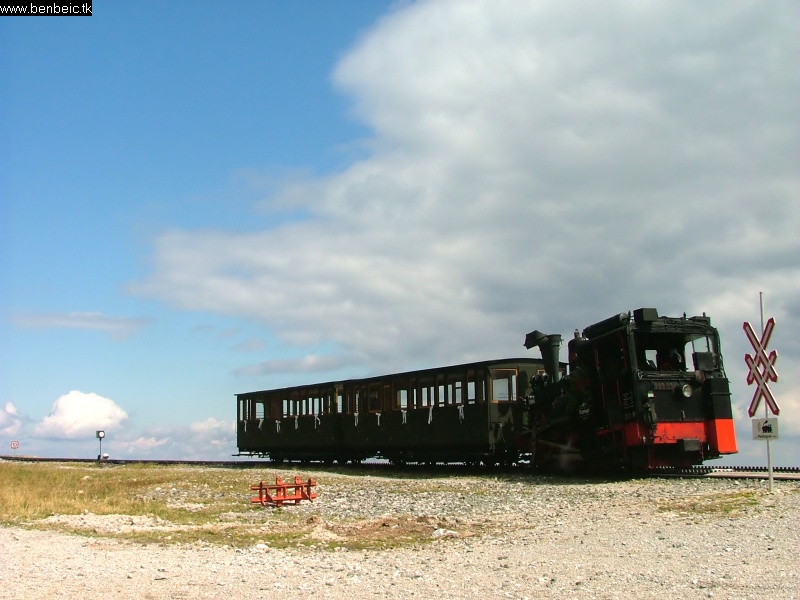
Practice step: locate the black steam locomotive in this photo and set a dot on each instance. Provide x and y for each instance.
(626, 399)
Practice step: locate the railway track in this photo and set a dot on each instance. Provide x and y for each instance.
(732, 472)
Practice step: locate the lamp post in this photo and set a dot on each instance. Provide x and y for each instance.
(100, 435)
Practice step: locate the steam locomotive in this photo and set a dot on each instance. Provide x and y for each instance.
(626, 399)
(630, 399)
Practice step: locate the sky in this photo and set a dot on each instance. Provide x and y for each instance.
(204, 199)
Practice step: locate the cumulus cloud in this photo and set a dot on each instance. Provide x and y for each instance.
(118, 328)
(10, 420)
(79, 415)
(532, 165)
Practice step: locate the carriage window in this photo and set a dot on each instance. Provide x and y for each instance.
(425, 398)
(504, 385)
(475, 389)
(401, 399)
(454, 389)
(353, 402)
(375, 400)
(310, 402)
(471, 392)
(259, 410)
(248, 409)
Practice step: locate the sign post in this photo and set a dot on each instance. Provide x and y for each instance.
(100, 435)
(761, 372)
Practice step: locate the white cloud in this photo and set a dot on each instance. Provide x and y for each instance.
(118, 328)
(79, 415)
(306, 364)
(10, 421)
(211, 426)
(533, 165)
(210, 439)
(143, 445)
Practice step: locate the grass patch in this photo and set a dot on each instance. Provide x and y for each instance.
(720, 505)
(155, 504)
(30, 491)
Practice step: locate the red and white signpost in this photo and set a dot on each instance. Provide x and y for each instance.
(761, 372)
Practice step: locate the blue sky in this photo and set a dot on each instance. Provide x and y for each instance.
(200, 199)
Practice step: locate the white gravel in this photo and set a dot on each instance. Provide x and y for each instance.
(530, 538)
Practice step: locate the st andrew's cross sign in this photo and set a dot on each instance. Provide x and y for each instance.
(762, 368)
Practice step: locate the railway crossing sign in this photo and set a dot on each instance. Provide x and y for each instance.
(762, 368)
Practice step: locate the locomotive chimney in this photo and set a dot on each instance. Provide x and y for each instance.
(549, 346)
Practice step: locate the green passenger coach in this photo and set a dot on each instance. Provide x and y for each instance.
(470, 413)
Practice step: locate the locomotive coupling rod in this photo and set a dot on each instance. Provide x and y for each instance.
(283, 492)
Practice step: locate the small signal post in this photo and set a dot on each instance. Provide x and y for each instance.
(761, 371)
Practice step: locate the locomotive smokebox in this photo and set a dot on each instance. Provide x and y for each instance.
(549, 346)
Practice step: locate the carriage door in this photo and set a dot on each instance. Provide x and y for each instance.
(503, 399)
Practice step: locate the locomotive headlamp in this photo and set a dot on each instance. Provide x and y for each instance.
(686, 390)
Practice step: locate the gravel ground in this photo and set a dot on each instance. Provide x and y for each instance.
(531, 537)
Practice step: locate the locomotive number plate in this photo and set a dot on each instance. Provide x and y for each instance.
(663, 385)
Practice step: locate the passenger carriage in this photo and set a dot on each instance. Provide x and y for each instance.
(462, 413)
